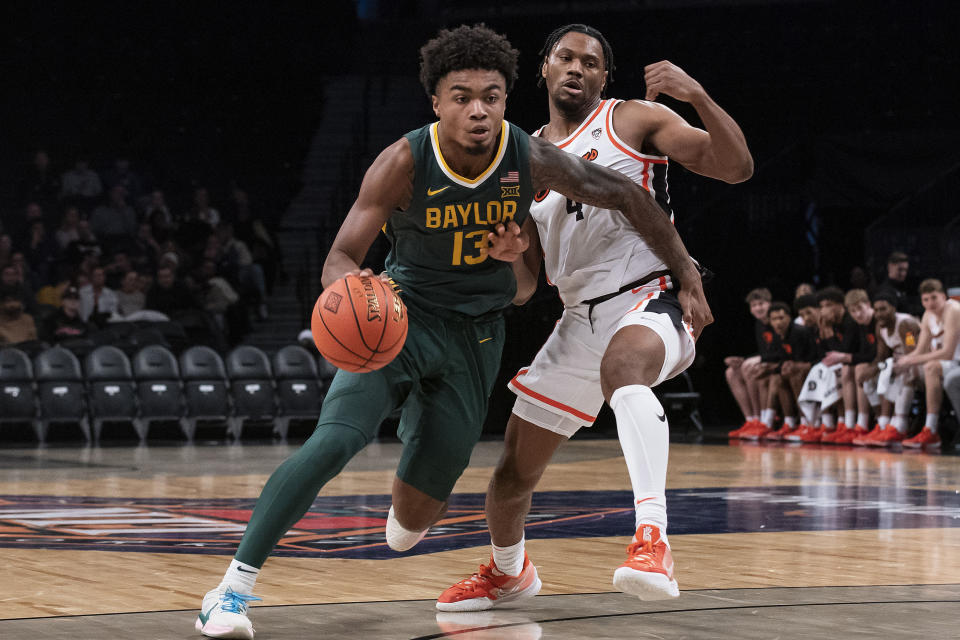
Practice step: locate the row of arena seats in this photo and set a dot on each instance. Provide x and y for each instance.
(156, 386)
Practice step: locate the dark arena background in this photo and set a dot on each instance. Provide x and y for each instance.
(268, 114)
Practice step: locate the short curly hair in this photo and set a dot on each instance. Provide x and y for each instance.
(466, 47)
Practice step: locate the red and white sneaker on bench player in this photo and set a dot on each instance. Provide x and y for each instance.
(648, 571)
(489, 588)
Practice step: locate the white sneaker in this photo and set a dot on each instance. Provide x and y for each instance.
(223, 614)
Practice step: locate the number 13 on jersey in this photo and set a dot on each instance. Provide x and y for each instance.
(476, 243)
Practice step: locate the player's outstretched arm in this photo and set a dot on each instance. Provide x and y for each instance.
(598, 186)
(386, 187)
(719, 152)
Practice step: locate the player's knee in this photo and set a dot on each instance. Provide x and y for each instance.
(513, 478)
(620, 368)
(932, 370)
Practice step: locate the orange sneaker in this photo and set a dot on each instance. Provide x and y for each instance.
(865, 439)
(797, 434)
(850, 435)
(746, 427)
(812, 434)
(759, 432)
(489, 587)
(648, 571)
(885, 438)
(925, 438)
(835, 436)
(780, 433)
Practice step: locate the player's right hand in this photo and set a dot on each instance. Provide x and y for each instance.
(507, 243)
(733, 361)
(696, 310)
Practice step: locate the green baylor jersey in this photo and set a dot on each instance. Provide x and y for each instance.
(438, 255)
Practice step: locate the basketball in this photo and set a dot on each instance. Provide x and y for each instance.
(359, 324)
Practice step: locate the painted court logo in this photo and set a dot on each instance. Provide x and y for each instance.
(353, 526)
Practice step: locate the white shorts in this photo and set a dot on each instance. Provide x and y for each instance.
(560, 391)
(886, 385)
(948, 365)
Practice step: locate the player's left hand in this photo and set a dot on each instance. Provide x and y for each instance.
(832, 358)
(696, 310)
(667, 78)
(507, 243)
(902, 363)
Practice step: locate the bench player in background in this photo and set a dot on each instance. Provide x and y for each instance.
(937, 353)
(621, 331)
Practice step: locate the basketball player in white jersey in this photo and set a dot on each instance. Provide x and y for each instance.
(938, 352)
(621, 331)
(897, 335)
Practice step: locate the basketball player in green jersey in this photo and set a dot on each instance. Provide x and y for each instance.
(437, 193)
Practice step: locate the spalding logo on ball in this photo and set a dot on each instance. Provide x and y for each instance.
(359, 324)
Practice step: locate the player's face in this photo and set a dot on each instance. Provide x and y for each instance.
(831, 311)
(885, 313)
(574, 72)
(933, 301)
(759, 309)
(780, 321)
(861, 312)
(810, 316)
(470, 105)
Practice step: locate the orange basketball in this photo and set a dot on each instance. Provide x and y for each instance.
(359, 324)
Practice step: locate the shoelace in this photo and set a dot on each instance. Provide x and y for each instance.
(234, 602)
(483, 575)
(641, 551)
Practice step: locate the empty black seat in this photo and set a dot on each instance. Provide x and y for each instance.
(299, 390)
(18, 400)
(60, 390)
(251, 386)
(112, 393)
(205, 386)
(159, 392)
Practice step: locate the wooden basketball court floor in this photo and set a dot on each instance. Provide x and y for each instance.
(769, 542)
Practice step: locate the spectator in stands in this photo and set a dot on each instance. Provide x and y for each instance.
(11, 278)
(66, 323)
(216, 294)
(937, 354)
(168, 295)
(896, 336)
(253, 231)
(745, 390)
(145, 250)
(40, 184)
(856, 404)
(237, 265)
(81, 185)
(202, 211)
(15, 324)
(838, 336)
(115, 222)
(157, 215)
(6, 248)
(121, 174)
(69, 229)
(130, 297)
(116, 268)
(97, 301)
(41, 252)
(18, 226)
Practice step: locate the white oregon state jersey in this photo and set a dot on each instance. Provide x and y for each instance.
(892, 338)
(589, 252)
(936, 329)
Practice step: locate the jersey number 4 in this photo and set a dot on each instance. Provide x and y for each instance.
(575, 207)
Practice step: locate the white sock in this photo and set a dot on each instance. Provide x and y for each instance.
(828, 423)
(766, 417)
(862, 420)
(509, 560)
(900, 422)
(849, 417)
(931, 421)
(752, 418)
(790, 421)
(810, 412)
(398, 538)
(240, 577)
(645, 440)
(883, 421)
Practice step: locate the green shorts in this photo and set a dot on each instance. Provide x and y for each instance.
(442, 379)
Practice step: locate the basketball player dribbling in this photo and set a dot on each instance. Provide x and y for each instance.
(438, 192)
(622, 330)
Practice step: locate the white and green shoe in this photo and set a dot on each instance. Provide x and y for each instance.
(223, 614)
